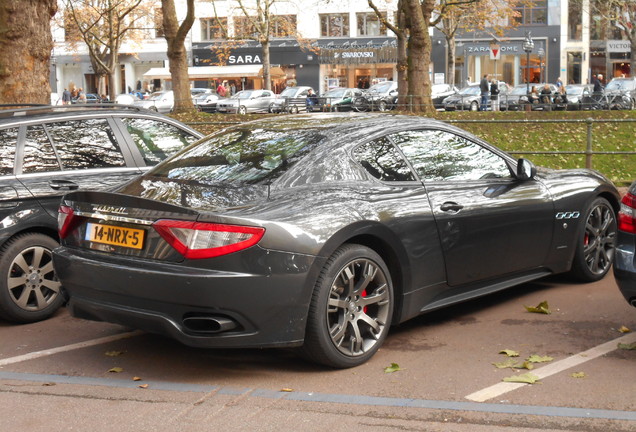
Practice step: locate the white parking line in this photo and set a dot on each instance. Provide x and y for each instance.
(44, 353)
(553, 368)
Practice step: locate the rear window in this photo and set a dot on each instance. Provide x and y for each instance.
(249, 156)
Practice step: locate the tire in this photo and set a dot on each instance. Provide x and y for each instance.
(349, 315)
(596, 240)
(293, 110)
(360, 105)
(382, 106)
(242, 110)
(271, 108)
(474, 106)
(29, 289)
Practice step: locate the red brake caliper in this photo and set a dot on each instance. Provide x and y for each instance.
(364, 294)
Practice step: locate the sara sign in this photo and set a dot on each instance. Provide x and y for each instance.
(244, 59)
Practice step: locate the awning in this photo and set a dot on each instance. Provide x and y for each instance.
(203, 72)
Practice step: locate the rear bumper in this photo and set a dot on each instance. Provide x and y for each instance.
(625, 271)
(264, 306)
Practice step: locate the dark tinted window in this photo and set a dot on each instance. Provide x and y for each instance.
(440, 155)
(157, 140)
(39, 155)
(240, 155)
(83, 144)
(382, 160)
(8, 142)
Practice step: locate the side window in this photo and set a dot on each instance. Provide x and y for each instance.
(443, 156)
(157, 140)
(382, 160)
(39, 155)
(84, 144)
(8, 143)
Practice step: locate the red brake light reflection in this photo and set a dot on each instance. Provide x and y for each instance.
(66, 221)
(627, 214)
(197, 240)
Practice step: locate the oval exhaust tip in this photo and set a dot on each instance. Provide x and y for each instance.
(208, 324)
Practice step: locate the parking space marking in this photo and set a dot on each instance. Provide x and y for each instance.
(44, 353)
(553, 368)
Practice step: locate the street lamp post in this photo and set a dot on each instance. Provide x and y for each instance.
(528, 46)
(541, 53)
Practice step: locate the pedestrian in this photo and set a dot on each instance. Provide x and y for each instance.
(597, 91)
(66, 97)
(468, 81)
(494, 95)
(533, 97)
(220, 90)
(546, 97)
(559, 83)
(81, 96)
(485, 91)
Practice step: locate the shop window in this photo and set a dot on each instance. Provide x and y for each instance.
(213, 28)
(533, 12)
(283, 26)
(334, 25)
(370, 25)
(243, 27)
(575, 21)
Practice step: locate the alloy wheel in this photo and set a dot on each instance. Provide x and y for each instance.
(31, 280)
(599, 239)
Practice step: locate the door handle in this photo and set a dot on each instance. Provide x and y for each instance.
(451, 206)
(63, 185)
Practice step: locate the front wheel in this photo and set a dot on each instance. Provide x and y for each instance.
(360, 105)
(351, 308)
(474, 106)
(29, 289)
(242, 110)
(594, 253)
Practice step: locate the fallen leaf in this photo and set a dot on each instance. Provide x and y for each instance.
(286, 390)
(509, 353)
(631, 346)
(527, 378)
(116, 370)
(539, 359)
(393, 368)
(540, 308)
(510, 363)
(143, 386)
(578, 375)
(136, 379)
(624, 329)
(48, 384)
(113, 353)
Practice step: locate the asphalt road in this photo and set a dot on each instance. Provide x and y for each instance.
(67, 374)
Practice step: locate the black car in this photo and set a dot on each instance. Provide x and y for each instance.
(439, 92)
(48, 151)
(625, 264)
(579, 97)
(323, 231)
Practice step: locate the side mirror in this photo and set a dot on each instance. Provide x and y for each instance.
(525, 169)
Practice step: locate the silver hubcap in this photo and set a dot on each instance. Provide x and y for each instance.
(358, 308)
(31, 281)
(599, 239)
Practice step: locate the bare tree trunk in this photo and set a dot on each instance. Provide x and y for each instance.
(451, 60)
(419, 50)
(267, 75)
(175, 35)
(25, 38)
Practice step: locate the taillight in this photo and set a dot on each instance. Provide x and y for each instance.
(66, 221)
(196, 240)
(627, 214)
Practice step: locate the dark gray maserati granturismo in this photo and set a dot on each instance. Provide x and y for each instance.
(322, 231)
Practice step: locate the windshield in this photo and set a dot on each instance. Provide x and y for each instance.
(574, 90)
(244, 94)
(289, 92)
(156, 96)
(381, 87)
(471, 90)
(335, 93)
(243, 156)
(621, 85)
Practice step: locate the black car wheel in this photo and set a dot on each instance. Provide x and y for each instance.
(351, 308)
(242, 109)
(382, 106)
(29, 289)
(595, 250)
(474, 106)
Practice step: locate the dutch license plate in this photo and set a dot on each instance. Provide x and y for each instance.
(115, 235)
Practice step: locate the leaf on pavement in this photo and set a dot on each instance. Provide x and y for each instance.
(631, 346)
(509, 353)
(288, 390)
(143, 386)
(116, 370)
(578, 375)
(542, 308)
(393, 368)
(137, 379)
(624, 329)
(514, 364)
(113, 353)
(527, 378)
(539, 359)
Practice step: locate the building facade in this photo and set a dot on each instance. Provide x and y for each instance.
(344, 44)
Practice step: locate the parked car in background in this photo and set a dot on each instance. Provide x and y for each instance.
(291, 100)
(48, 151)
(579, 97)
(518, 98)
(439, 92)
(469, 98)
(623, 89)
(161, 101)
(207, 101)
(127, 99)
(322, 231)
(247, 101)
(340, 98)
(381, 96)
(625, 262)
